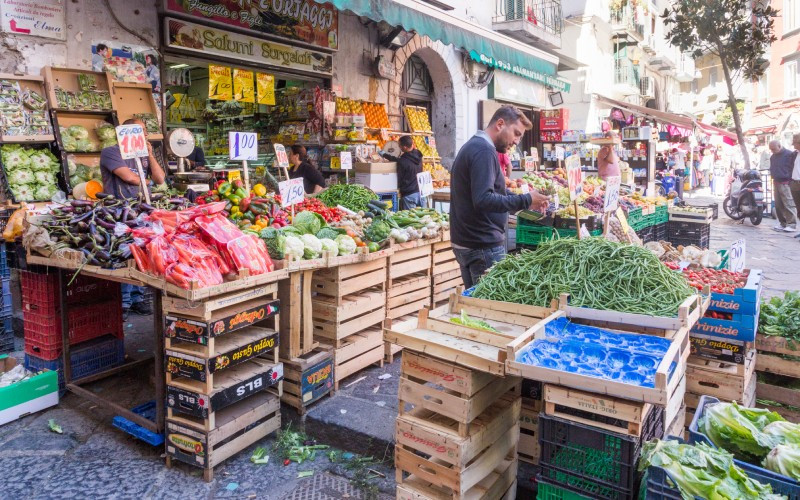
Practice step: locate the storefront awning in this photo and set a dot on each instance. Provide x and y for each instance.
(484, 45)
(712, 130)
(654, 114)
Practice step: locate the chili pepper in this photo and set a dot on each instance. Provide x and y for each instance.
(286, 462)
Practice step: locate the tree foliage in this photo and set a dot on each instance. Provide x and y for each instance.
(724, 117)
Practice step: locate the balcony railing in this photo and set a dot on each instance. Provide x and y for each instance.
(626, 73)
(543, 14)
(625, 18)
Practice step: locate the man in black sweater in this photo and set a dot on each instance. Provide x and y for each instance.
(409, 164)
(480, 203)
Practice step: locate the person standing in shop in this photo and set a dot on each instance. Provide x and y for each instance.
(196, 158)
(480, 203)
(301, 167)
(121, 179)
(409, 164)
(780, 167)
(794, 187)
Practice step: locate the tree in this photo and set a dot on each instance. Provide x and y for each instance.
(724, 118)
(739, 32)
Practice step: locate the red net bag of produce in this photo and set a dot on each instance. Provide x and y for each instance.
(182, 275)
(161, 253)
(218, 228)
(249, 252)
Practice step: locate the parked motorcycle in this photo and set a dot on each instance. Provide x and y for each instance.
(745, 197)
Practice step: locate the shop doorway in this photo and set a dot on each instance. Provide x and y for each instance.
(416, 88)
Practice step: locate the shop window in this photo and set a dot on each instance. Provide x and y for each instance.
(790, 80)
(713, 77)
(791, 15)
(763, 89)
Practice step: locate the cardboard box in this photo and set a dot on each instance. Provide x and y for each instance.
(375, 168)
(222, 321)
(28, 396)
(378, 182)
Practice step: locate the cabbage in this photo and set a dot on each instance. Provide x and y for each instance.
(308, 222)
(84, 146)
(15, 157)
(740, 430)
(347, 245)
(784, 459)
(328, 245)
(44, 192)
(106, 133)
(787, 432)
(22, 192)
(313, 247)
(72, 166)
(20, 176)
(293, 247)
(45, 178)
(43, 161)
(77, 132)
(70, 144)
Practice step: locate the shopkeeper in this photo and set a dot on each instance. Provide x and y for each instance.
(409, 164)
(480, 203)
(301, 167)
(196, 158)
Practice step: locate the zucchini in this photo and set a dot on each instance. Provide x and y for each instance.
(379, 204)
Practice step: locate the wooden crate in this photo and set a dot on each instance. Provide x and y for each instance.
(308, 378)
(341, 281)
(238, 426)
(529, 449)
(607, 412)
(67, 79)
(357, 352)
(130, 99)
(408, 295)
(721, 380)
(501, 479)
(335, 319)
(449, 389)
(770, 360)
(27, 83)
(410, 261)
(475, 348)
(403, 323)
(446, 273)
(297, 325)
(207, 308)
(678, 425)
(89, 121)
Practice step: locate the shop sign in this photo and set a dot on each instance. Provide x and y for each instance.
(297, 20)
(209, 41)
(243, 85)
(219, 83)
(551, 81)
(511, 88)
(44, 18)
(265, 87)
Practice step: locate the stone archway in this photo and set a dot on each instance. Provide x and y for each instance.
(444, 67)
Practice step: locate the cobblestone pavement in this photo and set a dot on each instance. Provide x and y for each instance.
(94, 460)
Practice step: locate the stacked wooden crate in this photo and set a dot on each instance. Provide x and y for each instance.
(348, 310)
(779, 370)
(221, 359)
(529, 449)
(446, 272)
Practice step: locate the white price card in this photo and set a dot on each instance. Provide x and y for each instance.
(736, 256)
(611, 197)
(425, 183)
(243, 146)
(574, 180)
(132, 142)
(560, 152)
(525, 188)
(292, 192)
(530, 163)
(280, 155)
(347, 160)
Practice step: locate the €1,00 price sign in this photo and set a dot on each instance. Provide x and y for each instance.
(243, 146)
(132, 142)
(292, 192)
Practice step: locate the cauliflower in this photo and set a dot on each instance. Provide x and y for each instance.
(43, 161)
(293, 247)
(313, 247)
(15, 157)
(23, 192)
(347, 245)
(328, 245)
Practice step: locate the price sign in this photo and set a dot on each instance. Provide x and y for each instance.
(574, 180)
(585, 232)
(535, 154)
(623, 221)
(611, 197)
(432, 142)
(234, 175)
(530, 163)
(280, 155)
(243, 146)
(292, 192)
(560, 152)
(425, 183)
(347, 160)
(525, 188)
(132, 142)
(736, 256)
(384, 134)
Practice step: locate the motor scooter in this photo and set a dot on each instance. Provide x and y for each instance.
(745, 197)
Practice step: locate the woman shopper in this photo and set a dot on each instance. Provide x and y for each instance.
(301, 167)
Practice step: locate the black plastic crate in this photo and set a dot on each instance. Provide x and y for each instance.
(646, 234)
(683, 229)
(6, 341)
(532, 389)
(592, 223)
(660, 232)
(595, 462)
(700, 242)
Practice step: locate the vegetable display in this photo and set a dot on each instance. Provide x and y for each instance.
(75, 139)
(351, 196)
(701, 471)
(595, 272)
(31, 173)
(784, 459)
(781, 316)
(719, 280)
(79, 172)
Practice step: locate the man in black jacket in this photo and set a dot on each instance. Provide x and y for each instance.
(480, 203)
(409, 164)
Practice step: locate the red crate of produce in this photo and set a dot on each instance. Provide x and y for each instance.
(41, 289)
(43, 330)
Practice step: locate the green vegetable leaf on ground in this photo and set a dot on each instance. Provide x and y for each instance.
(53, 426)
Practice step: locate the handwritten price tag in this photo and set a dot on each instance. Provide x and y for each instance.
(425, 183)
(574, 180)
(525, 188)
(132, 142)
(292, 192)
(243, 146)
(280, 155)
(347, 160)
(529, 163)
(736, 256)
(611, 197)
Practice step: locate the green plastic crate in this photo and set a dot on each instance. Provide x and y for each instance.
(547, 491)
(533, 235)
(572, 233)
(634, 216)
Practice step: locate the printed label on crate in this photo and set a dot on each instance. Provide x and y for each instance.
(198, 368)
(317, 381)
(198, 332)
(717, 349)
(532, 389)
(730, 330)
(187, 445)
(196, 404)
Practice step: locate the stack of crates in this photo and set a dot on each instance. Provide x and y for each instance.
(6, 319)
(689, 233)
(95, 324)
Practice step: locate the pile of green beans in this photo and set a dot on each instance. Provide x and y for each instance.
(595, 272)
(352, 196)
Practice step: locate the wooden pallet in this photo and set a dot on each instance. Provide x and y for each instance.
(357, 352)
(721, 380)
(308, 378)
(296, 326)
(335, 319)
(771, 360)
(492, 487)
(408, 294)
(449, 389)
(238, 426)
(339, 282)
(529, 449)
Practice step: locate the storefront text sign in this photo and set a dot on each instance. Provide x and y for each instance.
(201, 39)
(303, 21)
(44, 18)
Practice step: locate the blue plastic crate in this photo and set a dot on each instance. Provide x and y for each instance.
(148, 411)
(6, 342)
(780, 483)
(390, 197)
(7, 323)
(7, 299)
(468, 292)
(742, 327)
(5, 268)
(744, 300)
(87, 358)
